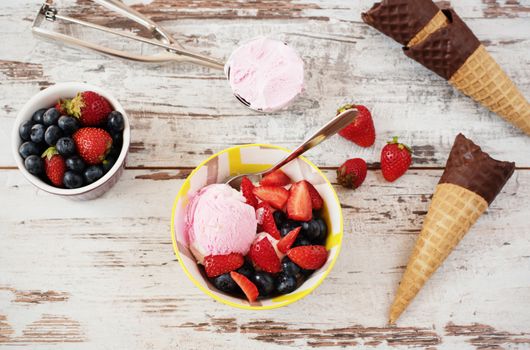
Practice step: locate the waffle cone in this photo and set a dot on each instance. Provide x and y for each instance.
(437, 22)
(482, 79)
(452, 212)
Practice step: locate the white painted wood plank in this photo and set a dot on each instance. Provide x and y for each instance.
(115, 284)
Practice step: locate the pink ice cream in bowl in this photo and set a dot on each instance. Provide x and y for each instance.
(265, 74)
(258, 226)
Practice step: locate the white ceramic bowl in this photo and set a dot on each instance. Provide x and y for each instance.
(49, 97)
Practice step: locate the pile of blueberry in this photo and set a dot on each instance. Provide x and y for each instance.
(70, 149)
(291, 276)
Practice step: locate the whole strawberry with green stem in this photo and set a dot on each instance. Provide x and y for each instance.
(361, 131)
(54, 166)
(395, 159)
(352, 173)
(92, 144)
(91, 108)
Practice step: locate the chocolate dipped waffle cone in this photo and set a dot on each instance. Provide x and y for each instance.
(455, 53)
(470, 182)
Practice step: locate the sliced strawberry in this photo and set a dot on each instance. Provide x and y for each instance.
(276, 196)
(276, 178)
(263, 255)
(299, 202)
(216, 265)
(287, 241)
(309, 257)
(267, 222)
(316, 201)
(249, 288)
(246, 188)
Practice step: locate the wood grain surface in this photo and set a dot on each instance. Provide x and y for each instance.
(102, 274)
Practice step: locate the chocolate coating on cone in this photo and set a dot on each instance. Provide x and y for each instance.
(446, 50)
(400, 19)
(469, 167)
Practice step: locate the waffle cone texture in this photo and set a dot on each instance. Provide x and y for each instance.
(482, 79)
(452, 212)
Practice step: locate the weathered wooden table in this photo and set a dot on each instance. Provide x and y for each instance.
(102, 274)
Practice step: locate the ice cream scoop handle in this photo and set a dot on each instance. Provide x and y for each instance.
(331, 128)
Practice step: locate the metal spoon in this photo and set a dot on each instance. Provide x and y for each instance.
(331, 128)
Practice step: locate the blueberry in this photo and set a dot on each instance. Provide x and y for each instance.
(285, 283)
(24, 130)
(264, 282)
(290, 268)
(108, 163)
(68, 124)
(65, 146)
(29, 148)
(34, 164)
(279, 217)
(323, 230)
(284, 231)
(114, 151)
(37, 133)
(224, 283)
(290, 225)
(311, 230)
(52, 134)
(115, 122)
(50, 117)
(72, 180)
(301, 241)
(246, 270)
(75, 163)
(117, 138)
(92, 174)
(37, 116)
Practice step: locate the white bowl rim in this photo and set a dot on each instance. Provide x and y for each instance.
(29, 109)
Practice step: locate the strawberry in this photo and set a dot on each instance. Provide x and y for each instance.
(352, 173)
(216, 265)
(316, 201)
(276, 196)
(361, 131)
(287, 241)
(309, 257)
(60, 107)
(246, 189)
(263, 255)
(92, 144)
(54, 166)
(249, 288)
(395, 159)
(90, 107)
(267, 222)
(276, 178)
(299, 202)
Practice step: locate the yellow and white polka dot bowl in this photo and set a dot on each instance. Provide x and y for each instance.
(245, 159)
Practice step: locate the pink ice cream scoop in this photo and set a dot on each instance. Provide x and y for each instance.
(265, 73)
(218, 222)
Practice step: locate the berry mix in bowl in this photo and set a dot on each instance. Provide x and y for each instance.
(71, 139)
(263, 245)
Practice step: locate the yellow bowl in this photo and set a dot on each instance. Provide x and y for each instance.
(246, 159)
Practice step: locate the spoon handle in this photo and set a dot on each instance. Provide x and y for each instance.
(331, 128)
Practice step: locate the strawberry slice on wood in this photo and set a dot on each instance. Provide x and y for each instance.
(299, 202)
(287, 241)
(249, 288)
(309, 257)
(276, 178)
(276, 196)
(216, 265)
